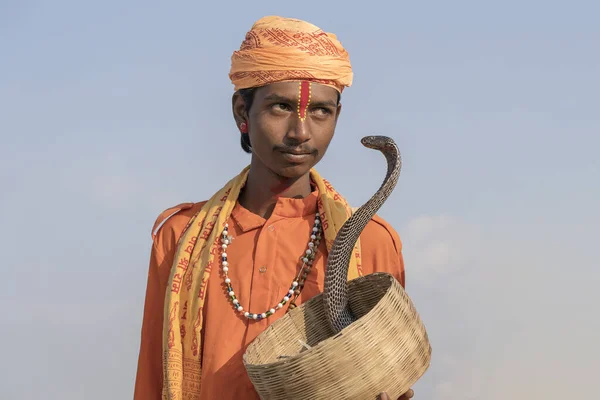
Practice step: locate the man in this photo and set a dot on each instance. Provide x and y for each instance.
(263, 238)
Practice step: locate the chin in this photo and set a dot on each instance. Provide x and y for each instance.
(292, 171)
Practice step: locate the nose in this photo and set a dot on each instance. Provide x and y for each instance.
(299, 130)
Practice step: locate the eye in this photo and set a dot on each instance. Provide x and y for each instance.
(281, 107)
(322, 111)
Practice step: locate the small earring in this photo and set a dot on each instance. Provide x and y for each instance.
(244, 127)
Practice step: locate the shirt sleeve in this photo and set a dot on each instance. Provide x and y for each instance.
(148, 383)
(149, 377)
(382, 250)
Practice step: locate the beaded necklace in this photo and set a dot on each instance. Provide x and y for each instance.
(295, 287)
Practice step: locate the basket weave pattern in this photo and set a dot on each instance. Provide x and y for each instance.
(386, 349)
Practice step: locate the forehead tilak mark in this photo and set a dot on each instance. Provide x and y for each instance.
(304, 95)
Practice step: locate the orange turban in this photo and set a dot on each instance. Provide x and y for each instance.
(280, 49)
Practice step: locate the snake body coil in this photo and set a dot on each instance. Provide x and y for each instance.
(335, 291)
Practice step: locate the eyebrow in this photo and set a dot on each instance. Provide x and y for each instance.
(283, 99)
(324, 103)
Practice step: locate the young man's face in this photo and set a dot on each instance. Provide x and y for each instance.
(291, 124)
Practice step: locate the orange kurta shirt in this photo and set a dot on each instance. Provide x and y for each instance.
(263, 261)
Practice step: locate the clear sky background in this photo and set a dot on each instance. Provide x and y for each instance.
(112, 111)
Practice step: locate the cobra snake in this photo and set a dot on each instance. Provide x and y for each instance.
(335, 289)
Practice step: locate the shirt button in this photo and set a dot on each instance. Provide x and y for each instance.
(263, 269)
(271, 228)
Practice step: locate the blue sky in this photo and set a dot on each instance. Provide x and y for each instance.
(114, 111)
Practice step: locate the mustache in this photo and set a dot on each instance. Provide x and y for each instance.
(295, 149)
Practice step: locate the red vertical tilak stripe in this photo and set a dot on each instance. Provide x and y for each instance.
(304, 99)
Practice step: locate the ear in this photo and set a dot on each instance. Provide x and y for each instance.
(239, 109)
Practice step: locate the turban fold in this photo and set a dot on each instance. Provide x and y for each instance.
(279, 49)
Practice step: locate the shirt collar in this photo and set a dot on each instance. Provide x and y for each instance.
(285, 207)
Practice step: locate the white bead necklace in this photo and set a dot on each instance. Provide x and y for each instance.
(295, 287)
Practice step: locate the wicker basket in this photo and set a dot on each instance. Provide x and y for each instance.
(386, 349)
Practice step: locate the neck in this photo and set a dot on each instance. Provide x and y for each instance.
(263, 187)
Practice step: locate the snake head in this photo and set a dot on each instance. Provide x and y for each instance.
(378, 142)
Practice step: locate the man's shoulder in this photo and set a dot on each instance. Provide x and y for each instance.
(381, 249)
(171, 222)
(380, 233)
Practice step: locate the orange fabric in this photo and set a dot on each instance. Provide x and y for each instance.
(280, 49)
(276, 244)
(198, 253)
(166, 214)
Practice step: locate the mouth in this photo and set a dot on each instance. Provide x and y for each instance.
(295, 156)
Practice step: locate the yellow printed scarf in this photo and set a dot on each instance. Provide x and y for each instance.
(197, 254)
